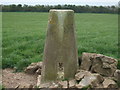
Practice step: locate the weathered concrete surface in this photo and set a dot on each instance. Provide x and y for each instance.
(60, 51)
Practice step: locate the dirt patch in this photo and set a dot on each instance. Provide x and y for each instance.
(19, 79)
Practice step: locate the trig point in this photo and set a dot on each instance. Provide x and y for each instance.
(60, 51)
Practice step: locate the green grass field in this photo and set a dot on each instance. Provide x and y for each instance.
(24, 36)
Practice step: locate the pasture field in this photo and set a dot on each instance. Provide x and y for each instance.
(23, 36)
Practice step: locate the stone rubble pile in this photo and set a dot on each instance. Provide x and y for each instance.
(34, 68)
(95, 71)
(98, 63)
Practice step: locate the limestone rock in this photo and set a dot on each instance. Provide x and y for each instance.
(117, 75)
(45, 85)
(54, 85)
(49, 85)
(39, 64)
(86, 62)
(81, 74)
(72, 83)
(98, 82)
(16, 87)
(104, 65)
(63, 84)
(99, 63)
(38, 71)
(78, 86)
(57, 84)
(109, 83)
(32, 68)
(93, 80)
(38, 80)
(87, 80)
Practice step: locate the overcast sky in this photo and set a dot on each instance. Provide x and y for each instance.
(62, 2)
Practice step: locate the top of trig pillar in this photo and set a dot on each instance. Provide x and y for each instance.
(61, 10)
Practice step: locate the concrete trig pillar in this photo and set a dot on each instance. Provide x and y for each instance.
(60, 51)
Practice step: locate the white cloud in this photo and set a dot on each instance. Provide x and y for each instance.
(58, 0)
(77, 2)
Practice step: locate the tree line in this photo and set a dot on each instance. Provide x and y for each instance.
(46, 8)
